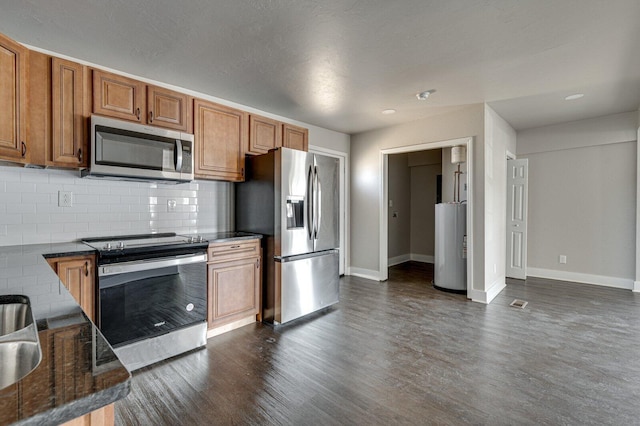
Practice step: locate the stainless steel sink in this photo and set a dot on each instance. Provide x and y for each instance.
(14, 314)
(20, 351)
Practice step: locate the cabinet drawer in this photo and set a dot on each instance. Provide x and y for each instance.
(231, 250)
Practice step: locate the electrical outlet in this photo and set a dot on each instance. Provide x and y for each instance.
(562, 258)
(390, 203)
(171, 205)
(65, 198)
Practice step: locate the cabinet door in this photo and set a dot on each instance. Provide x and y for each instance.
(77, 275)
(295, 137)
(13, 100)
(220, 137)
(119, 97)
(264, 134)
(234, 288)
(168, 108)
(69, 136)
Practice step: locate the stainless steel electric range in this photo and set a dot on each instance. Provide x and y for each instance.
(152, 295)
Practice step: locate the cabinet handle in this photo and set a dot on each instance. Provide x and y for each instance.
(234, 247)
(138, 113)
(86, 269)
(23, 149)
(80, 155)
(258, 264)
(150, 116)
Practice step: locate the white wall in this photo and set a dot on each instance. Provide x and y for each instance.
(423, 200)
(366, 170)
(499, 138)
(582, 199)
(399, 227)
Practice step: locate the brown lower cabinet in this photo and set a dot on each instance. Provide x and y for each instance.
(63, 376)
(234, 278)
(77, 273)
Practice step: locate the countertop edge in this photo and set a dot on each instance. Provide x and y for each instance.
(80, 407)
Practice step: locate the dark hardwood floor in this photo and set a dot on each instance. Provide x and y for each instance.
(400, 352)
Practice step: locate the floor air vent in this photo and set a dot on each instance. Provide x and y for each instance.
(518, 304)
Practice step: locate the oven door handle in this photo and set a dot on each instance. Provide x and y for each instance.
(145, 265)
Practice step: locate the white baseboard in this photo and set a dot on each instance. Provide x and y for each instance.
(396, 260)
(625, 283)
(487, 296)
(369, 274)
(424, 258)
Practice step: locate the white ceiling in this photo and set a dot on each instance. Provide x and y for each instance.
(339, 63)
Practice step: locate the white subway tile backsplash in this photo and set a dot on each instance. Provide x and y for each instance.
(29, 211)
(10, 219)
(49, 228)
(32, 176)
(21, 208)
(62, 217)
(21, 187)
(85, 198)
(7, 198)
(42, 198)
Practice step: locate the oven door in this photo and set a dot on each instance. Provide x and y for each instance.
(148, 298)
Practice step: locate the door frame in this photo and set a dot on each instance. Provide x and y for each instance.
(384, 201)
(343, 171)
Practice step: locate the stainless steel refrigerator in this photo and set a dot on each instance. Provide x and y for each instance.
(291, 197)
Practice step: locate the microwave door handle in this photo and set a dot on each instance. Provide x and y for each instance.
(178, 155)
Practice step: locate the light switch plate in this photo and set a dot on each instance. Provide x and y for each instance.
(65, 198)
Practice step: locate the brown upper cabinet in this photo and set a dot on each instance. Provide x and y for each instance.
(14, 63)
(168, 109)
(119, 97)
(128, 99)
(69, 145)
(220, 134)
(295, 137)
(59, 107)
(264, 134)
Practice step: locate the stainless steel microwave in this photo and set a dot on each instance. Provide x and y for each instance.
(131, 151)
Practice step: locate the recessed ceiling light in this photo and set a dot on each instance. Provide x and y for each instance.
(574, 97)
(424, 95)
(388, 111)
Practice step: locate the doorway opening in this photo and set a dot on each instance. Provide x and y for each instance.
(386, 207)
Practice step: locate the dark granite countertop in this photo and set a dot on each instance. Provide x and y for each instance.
(79, 372)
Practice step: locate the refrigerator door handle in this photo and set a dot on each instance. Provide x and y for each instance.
(310, 203)
(317, 203)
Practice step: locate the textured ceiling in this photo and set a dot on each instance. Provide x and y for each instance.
(339, 63)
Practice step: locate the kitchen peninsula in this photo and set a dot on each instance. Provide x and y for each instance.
(79, 376)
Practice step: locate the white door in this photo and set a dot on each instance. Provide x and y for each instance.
(517, 181)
